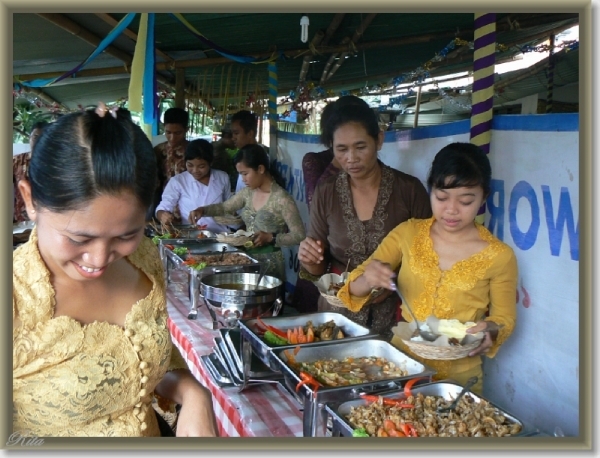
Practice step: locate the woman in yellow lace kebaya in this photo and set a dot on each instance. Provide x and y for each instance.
(91, 347)
(267, 209)
(451, 267)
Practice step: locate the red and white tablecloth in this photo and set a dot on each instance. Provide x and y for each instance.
(266, 410)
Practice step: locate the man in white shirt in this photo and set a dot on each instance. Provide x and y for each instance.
(244, 125)
(197, 187)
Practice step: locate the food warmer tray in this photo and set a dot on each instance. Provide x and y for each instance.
(448, 389)
(201, 247)
(216, 370)
(314, 418)
(264, 351)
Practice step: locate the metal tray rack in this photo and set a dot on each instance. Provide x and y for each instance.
(207, 246)
(315, 416)
(448, 389)
(264, 351)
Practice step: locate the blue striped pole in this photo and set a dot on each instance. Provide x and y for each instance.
(273, 83)
(483, 84)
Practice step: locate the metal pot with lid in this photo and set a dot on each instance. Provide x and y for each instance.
(234, 296)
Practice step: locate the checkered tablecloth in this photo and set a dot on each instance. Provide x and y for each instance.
(266, 410)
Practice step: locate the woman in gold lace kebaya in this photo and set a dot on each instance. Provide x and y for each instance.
(451, 267)
(91, 345)
(267, 209)
(353, 211)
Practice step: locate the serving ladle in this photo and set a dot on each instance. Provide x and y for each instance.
(426, 335)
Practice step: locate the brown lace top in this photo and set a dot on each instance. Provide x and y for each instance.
(334, 220)
(88, 380)
(171, 161)
(20, 168)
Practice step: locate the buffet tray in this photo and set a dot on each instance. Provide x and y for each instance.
(233, 341)
(447, 389)
(314, 418)
(216, 370)
(264, 351)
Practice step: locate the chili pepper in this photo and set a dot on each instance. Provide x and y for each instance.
(309, 380)
(387, 401)
(170, 247)
(296, 350)
(189, 262)
(408, 430)
(273, 329)
(409, 385)
(390, 428)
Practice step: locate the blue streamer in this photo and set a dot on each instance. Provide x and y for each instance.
(148, 83)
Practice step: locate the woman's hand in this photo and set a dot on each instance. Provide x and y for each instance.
(195, 215)
(490, 330)
(165, 217)
(311, 252)
(378, 274)
(196, 417)
(262, 238)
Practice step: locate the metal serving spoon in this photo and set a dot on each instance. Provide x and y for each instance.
(429, 336)
(472, 381)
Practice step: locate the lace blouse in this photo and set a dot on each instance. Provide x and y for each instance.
(88, 380)
(483, 284)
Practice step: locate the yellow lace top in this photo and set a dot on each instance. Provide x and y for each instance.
(485, 282)
(88, 380)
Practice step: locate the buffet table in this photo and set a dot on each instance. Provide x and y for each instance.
(266, 410)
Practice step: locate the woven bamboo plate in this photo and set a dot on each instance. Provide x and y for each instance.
(324, 283)
(449, 353)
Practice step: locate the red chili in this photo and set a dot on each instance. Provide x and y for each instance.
(409, 430)
(409, 385)
(170, 247)
(387, 401)
(273, 329)
(309, 380)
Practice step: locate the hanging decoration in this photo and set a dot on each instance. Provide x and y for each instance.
(112, 35)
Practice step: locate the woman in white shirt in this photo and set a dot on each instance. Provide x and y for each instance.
(198, 186)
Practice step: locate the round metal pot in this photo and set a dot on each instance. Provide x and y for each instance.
(234, 296)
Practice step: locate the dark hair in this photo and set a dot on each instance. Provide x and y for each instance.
(82, 156)
(177, 116)
(38, 125)
(253, 156)
(349, 109)
(199, 149)
(460, 165)
(247, 120)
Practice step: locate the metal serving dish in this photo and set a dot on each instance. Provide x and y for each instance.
(447, 389)
(201, 247)
(233, 296)
(263, 350)
(314, 418)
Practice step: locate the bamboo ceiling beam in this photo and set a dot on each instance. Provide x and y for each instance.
(358, 33)
(321, 38)
(42, 95)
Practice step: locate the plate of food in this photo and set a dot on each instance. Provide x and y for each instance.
(238, 238)
(329, 285)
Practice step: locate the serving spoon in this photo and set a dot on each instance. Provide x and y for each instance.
(426, 335)
(472, 381)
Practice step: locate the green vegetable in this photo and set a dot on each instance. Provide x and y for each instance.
(179, 250)
(273, 339)
(156, 238)
(360, 432)
(199, 266)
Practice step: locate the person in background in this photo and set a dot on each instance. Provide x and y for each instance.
(91, 346)
(352, 211)
(224, 151)
(199, 185)
(20, 166)
(266, 208)
(244, 126)
(450, 266)
(170, 155)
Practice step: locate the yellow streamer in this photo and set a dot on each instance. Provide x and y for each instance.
(137, 67)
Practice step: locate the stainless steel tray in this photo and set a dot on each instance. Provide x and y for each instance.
(314, 401)
(263, 350)
(232, 339)
(447, 389)
(215, 370)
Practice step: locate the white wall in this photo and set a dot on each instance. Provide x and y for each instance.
(534, 208)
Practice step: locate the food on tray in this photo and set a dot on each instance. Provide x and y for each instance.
(454, 328)
(300, 334)
(228, 259)
(470, 418)
(348, 371)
